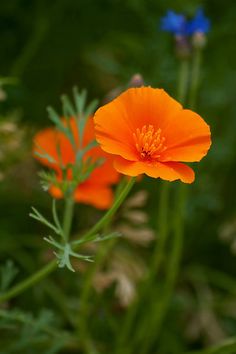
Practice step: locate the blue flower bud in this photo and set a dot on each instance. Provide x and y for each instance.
(199, 24)
(174, 23)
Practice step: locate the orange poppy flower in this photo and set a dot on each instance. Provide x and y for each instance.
(96, 190)
(150, 132)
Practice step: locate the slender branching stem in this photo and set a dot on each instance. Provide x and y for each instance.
(50, 267)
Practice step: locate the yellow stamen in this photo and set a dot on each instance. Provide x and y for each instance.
(149, 142)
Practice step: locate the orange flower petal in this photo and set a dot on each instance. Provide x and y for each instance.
(113, 146)
(99, 196)
(96, 189)
(169, 171)
(50, 141)
(187, 138)
(104, 174)
(116, 122)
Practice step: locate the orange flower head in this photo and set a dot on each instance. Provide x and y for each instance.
(149, 132)
(96, 190)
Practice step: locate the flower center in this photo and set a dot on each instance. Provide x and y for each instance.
(149, 142)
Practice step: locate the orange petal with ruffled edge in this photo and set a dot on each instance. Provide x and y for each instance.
(149, 132)
(169, 171)
(116, 122)
(187, 138)
(51, 141)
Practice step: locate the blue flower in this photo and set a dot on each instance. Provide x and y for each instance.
(174, 23)
(199, 24)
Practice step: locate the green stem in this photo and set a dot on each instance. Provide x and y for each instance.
(27, 283)
(160, 307)
(175, 258)
(183, 80)
(67, 219)
(88, 277)
(195, 78)
(157, 258)
(119, 200)
(163, 228)
(50, 267)
(85, 304)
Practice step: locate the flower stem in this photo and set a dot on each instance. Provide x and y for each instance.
(50, 267)
(88, 277)
(85, 305)
(99, 259)
(158, 308)
(67, 219)
(183, 80)
(163, 228)
(195, 79)
(30, 281)
(118, 201)
(158, 255)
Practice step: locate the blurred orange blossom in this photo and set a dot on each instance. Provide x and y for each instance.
(149, 132)
(96, 190)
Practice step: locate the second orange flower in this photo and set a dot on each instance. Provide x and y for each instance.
(96, 189)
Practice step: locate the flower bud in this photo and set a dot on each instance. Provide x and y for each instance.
(199, 40)
(136, 81)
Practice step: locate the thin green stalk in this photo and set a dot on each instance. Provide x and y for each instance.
(160, 307)
(67, 219)
(181, 201)
(88, 277)
(50, 267)
(156, 314)
(84, 304)
(183, 80)
(163, 226)
(162, 231)
(157, 258)
(119, 200)
(195, 78)
(29, 282)
(175, 257)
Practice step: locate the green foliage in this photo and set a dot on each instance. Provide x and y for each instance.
(47, 48)
(30, 333)
(81, 170)
(8, 273)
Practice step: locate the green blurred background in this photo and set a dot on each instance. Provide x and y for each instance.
(50, 46)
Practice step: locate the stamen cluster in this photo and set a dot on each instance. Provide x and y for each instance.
(148, 142)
